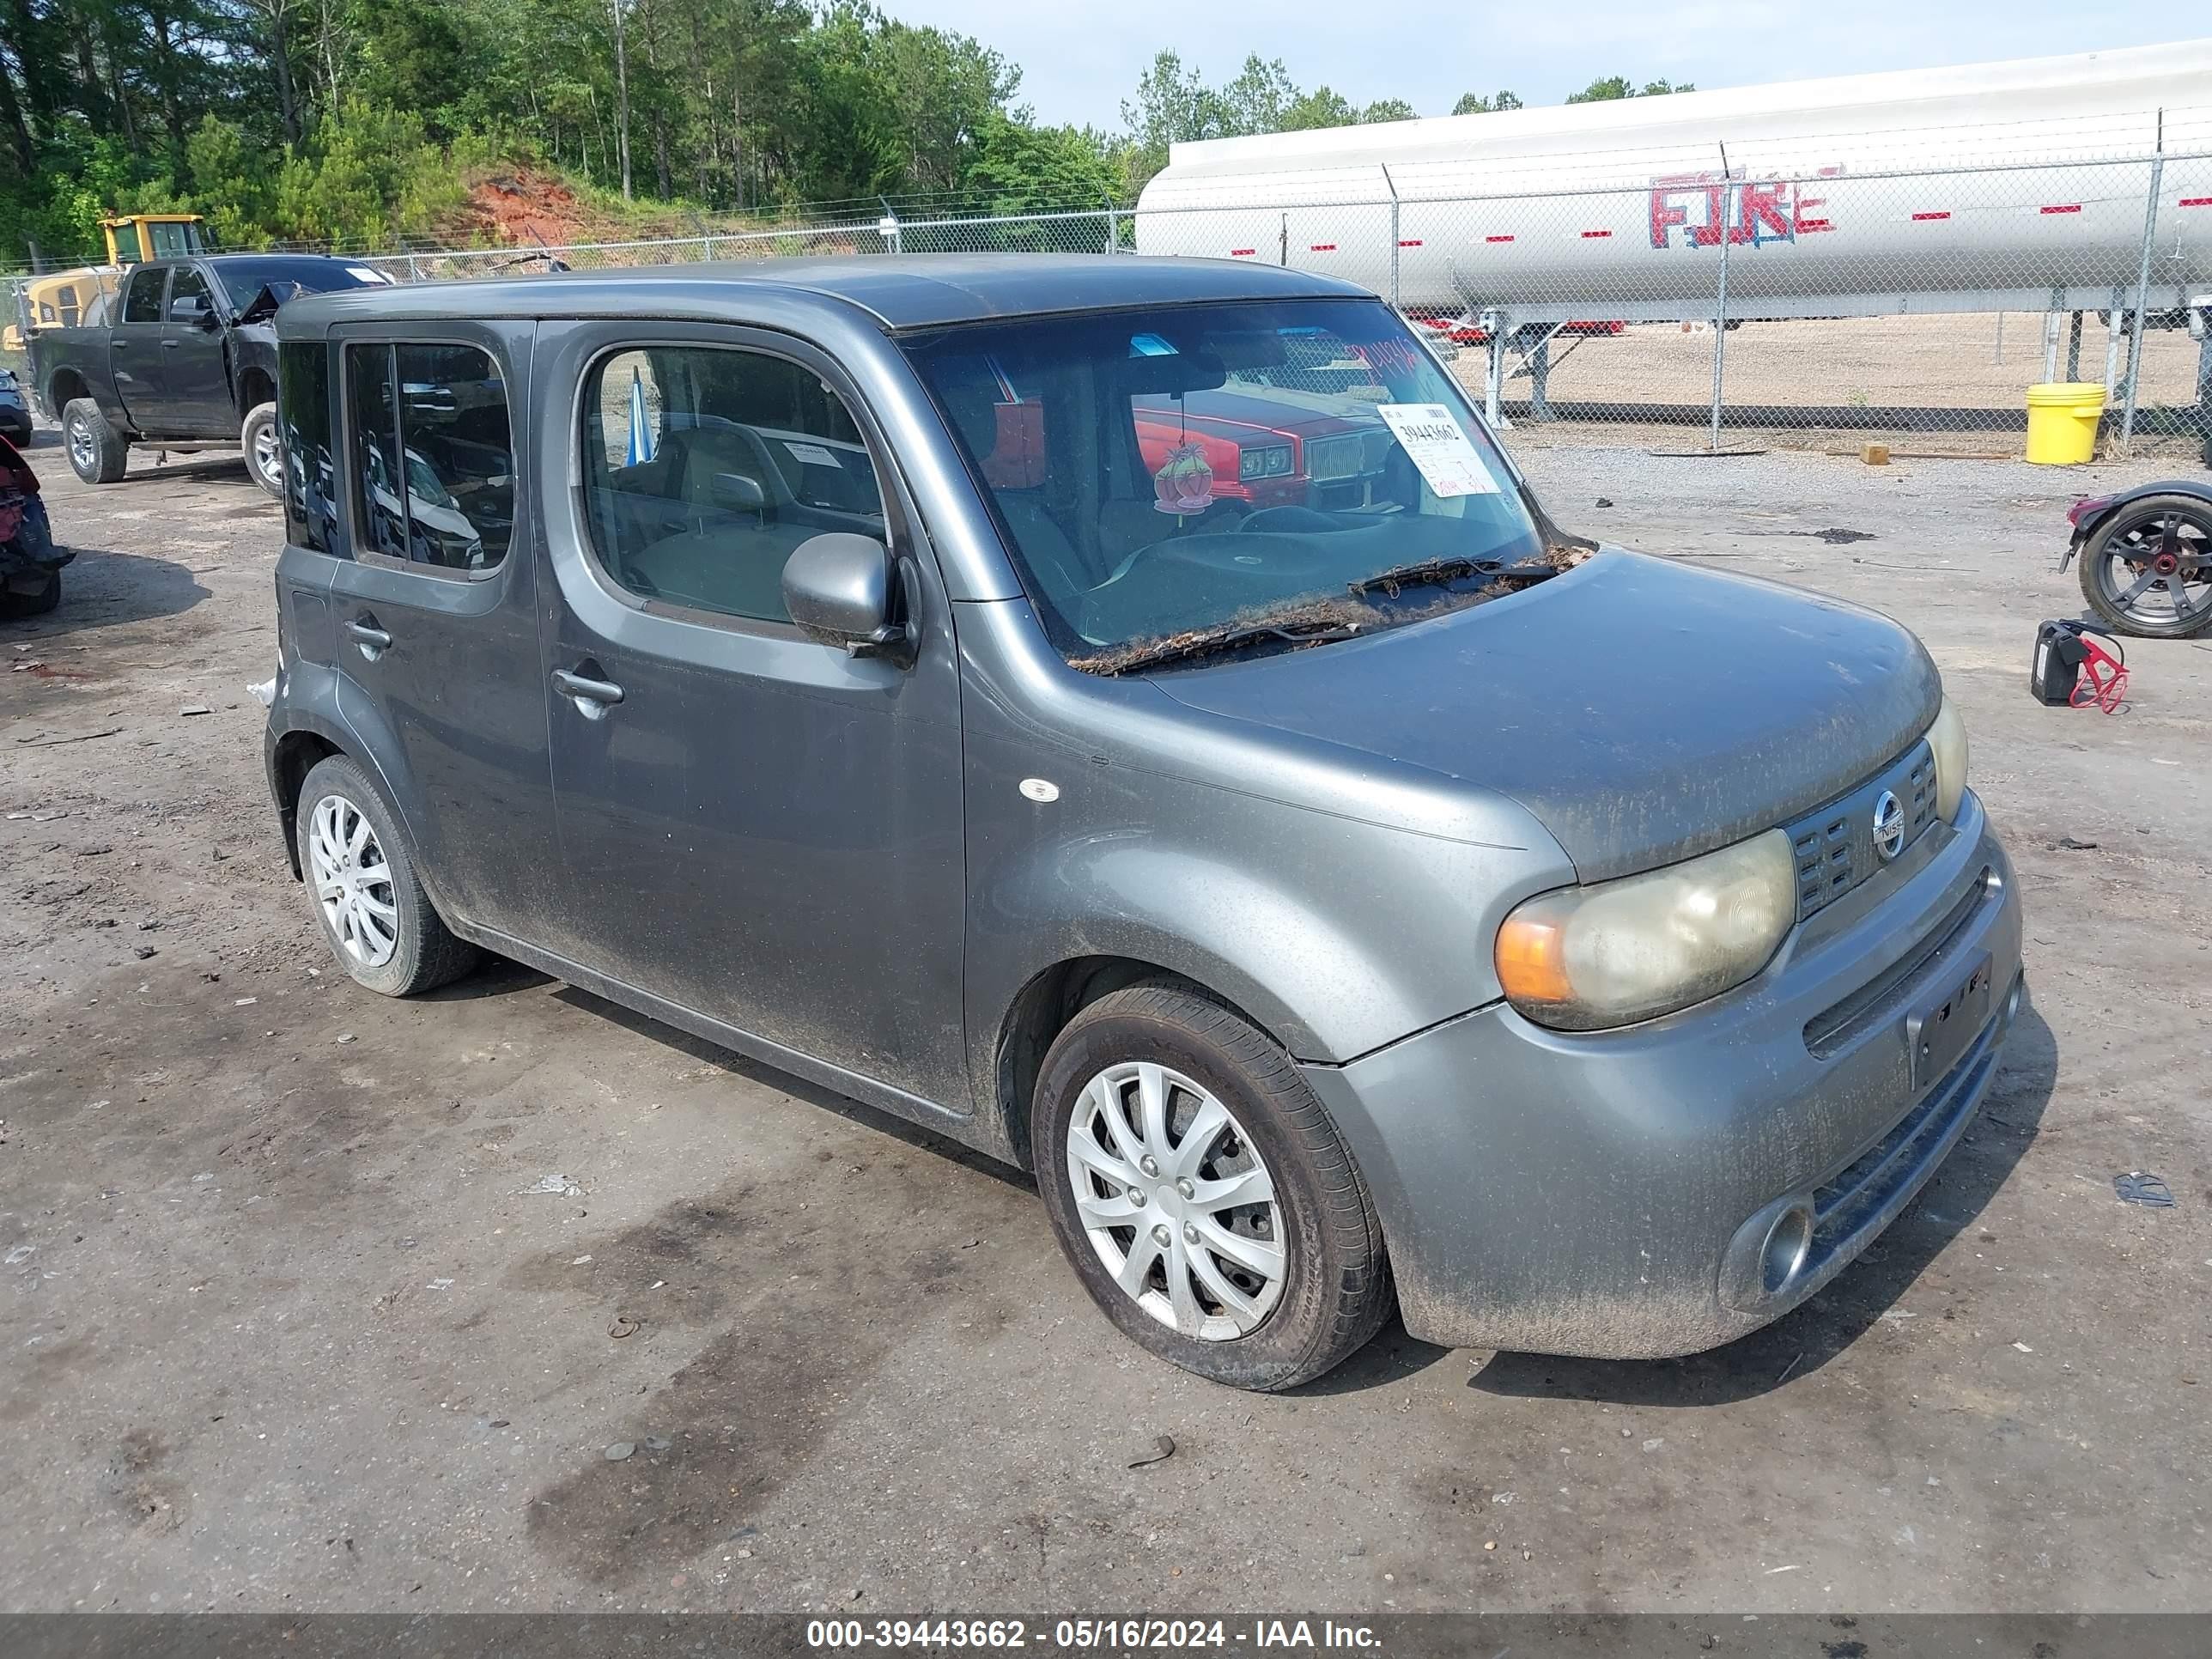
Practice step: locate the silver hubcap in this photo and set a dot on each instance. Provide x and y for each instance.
(352, 883)
(1176, 1201)
(82, 450)
(267, 456)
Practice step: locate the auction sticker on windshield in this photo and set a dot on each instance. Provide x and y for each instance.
(1435, 443)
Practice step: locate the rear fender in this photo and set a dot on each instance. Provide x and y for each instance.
(313, 700)
(2085, 534)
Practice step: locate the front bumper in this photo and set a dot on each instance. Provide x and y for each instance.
(1618, 1194)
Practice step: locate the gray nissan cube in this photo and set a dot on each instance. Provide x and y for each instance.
(1128, 715)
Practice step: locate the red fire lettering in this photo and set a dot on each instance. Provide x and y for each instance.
(1666, 212)
(1763, 205)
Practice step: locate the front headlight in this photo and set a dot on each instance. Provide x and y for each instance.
(1946, 740)
(1267, 461)
(1584, 958)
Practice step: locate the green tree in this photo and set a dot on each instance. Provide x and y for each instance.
(1475, 104)
(1173, 105)
(1323, 106)
(1022, 169)
(1611, 87)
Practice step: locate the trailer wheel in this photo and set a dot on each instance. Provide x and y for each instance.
(264, 450)
(98, 453)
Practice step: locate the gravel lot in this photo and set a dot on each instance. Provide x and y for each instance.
(287, 1329)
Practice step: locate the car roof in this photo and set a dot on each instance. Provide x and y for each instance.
(252, 257)
(900, 291)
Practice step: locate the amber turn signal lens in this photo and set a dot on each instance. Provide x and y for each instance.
(1532, 961)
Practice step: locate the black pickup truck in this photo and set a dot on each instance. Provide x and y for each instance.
(183, 355)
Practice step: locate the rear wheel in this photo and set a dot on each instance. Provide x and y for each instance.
(264, 454)
(1201, 1193)
(2147, 570)
(98, 453)
(375, 916)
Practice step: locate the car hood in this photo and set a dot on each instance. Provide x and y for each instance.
(1641, 711)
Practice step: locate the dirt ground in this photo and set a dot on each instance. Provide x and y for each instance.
(290, 1324)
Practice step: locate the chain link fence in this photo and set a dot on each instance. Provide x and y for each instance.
(1709, 308)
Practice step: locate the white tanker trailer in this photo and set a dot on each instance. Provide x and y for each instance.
(1929, 190)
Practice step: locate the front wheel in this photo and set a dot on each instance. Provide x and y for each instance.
(360, 874)
(2148, 571)
(1202, 1195)
(264, 452)
(98, 453)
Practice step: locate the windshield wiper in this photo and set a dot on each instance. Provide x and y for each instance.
(1207, 641)
(1423, 571)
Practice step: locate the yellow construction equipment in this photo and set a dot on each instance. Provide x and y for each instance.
(59, 299)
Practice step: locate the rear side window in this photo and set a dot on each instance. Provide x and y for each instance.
(433, 463)
(142, 301)
(706, 466)
(303, 418)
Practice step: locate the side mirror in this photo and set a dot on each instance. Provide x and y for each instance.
(734, 492)
(206, 319)
(839, 589)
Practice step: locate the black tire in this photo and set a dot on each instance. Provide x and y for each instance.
(2156, 525)
(13, 605)
(1336, 1288)
(98, 453)
(424, 952)
(257, 438)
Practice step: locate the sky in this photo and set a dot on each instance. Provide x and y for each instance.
(1080, 58)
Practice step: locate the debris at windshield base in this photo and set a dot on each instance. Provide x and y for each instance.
(1328, 617)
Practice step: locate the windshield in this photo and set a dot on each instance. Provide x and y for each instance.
(1226, 467)
(242, 279)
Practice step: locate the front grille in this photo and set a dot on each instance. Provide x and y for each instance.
(1835, 846)
(1825, 866)
(1345, 456)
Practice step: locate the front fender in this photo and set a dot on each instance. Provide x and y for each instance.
(1336, 934)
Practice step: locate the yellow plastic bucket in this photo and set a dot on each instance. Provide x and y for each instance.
(2062, 423)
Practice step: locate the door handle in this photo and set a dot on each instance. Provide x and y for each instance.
(372, 640)
(592, 697)
(171, 345)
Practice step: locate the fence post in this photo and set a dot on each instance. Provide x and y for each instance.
(1113, 229)
(2112, 313)
(414, 270)
(706, 249)
(1720, 305)
(1392, 184)
(2143, 287)
(1493, 386)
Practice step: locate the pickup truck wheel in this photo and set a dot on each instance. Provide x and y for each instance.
(98, 453)
(375, 916)
(1202, 1195)
(264, 451)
